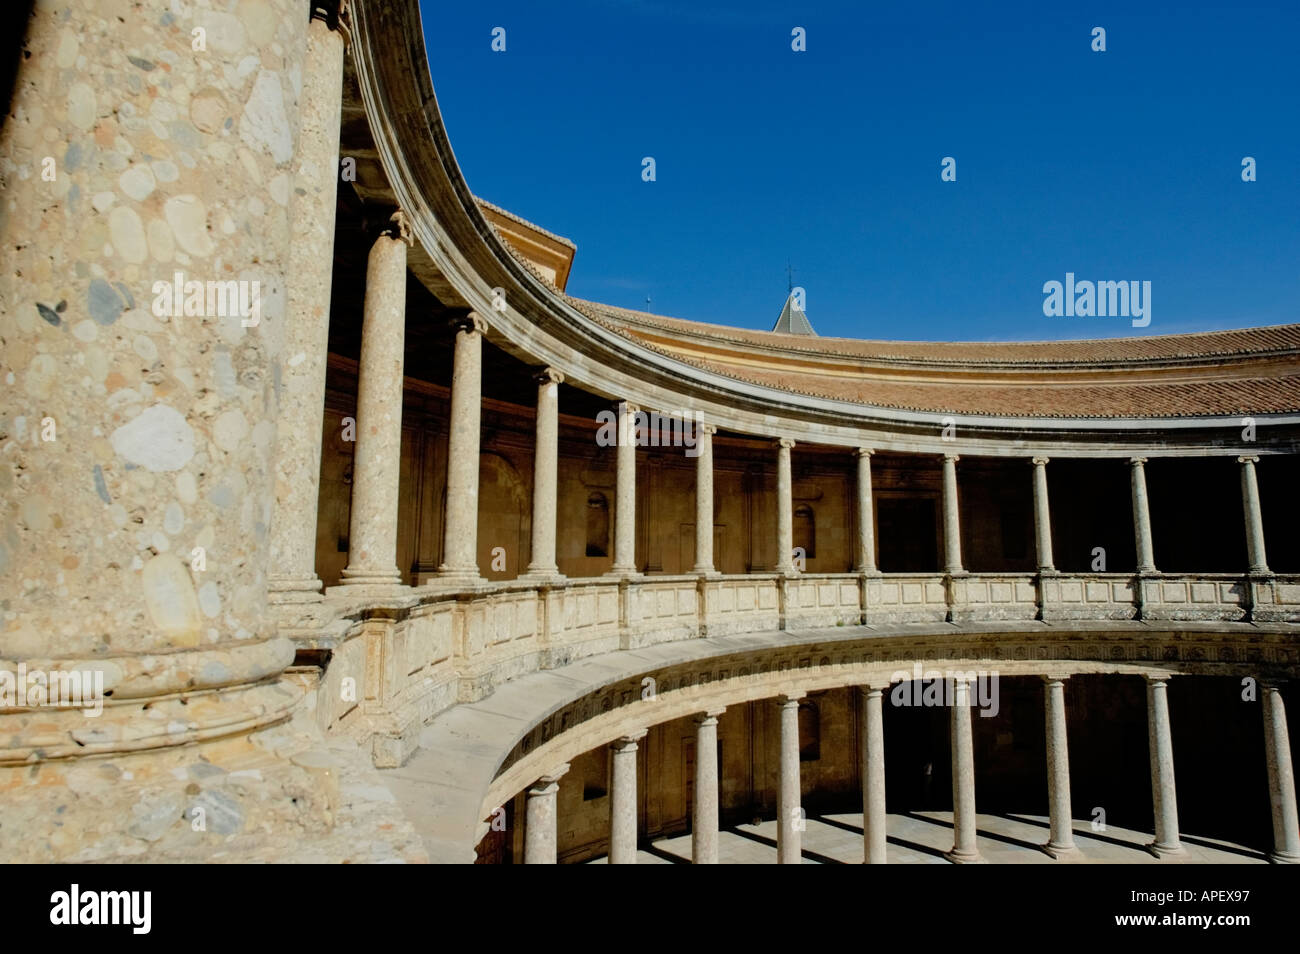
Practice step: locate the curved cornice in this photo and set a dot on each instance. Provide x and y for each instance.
(540, 327)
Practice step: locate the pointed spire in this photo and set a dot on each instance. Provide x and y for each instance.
(793, 321)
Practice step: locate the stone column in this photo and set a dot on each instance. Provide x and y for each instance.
(1060, 843)
(784, 508)
(789, 812)
(540, 838)
(460, 527)
(1142, 517)
(1162, 768)
(704, 813)
(865, 558)
(377, 461)
(873, 777)
(1042, 517)
(625, 494)
(965, 849)
(545, 469)
(1281, 778)
(622, 800)
(951, 518)
(1254, 519)
(704, 499)
(292, 579)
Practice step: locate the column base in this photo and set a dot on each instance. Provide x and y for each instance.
(1167, 852)
(707, 571)
(549, 574)
(621, 573)
(371, 582)
(1063, 853)
(455, 578)
(294, 589)
(1284, 858)
(965, 857)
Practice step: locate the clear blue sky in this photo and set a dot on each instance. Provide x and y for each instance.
(1122, 165)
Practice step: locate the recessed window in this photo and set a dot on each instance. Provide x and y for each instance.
(597, 525)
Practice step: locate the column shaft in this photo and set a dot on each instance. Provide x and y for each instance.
(704, 812)
(1142, 517)
(965, 849)
(540, 821)
(1060, 843)
(873, 777)
(865, 558)
(1254, 518)
(622, 802)
(1161, 747)
(704, 498)
(1042, 516)
(951, 519)
(460, 525)
(784, 508)
(625, 493)
(1281, 778)
(545, 474)
(372, 537)
(789, 822)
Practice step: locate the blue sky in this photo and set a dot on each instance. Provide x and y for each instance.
(1122, 165)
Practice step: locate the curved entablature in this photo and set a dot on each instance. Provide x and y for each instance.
(540, 326)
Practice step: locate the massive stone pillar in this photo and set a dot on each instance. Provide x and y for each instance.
(377, 462)
(864, 560)
(540, 819)
(622, 801)
(1060, 843)
(1162, 768)
(873, 777)
(137, 475)
(1281, 777)
(789, 811)
(951, 519)
(1146, 559)
(545, 469)
(704, 813)
(292, 581)
(625, 494)
(784, 508)
(460, 527)
(1254, 519)
(1042, 517)
(704, 499)
(965, 849)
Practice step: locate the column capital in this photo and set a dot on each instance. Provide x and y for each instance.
(552, 777)
(1157, 678)
(398, 227)
(874, 688)
(784, 442)
(471, 322)
(1272, 683)
(627, 407)
(1137, 461)
(951, 458)
(709, 716)
(1039, 461)
(790, 698)
(1248, 459)
(863, 451)
(707, 428)
(625, 743)
(1054, 677)
(335, 15)
(548, 375)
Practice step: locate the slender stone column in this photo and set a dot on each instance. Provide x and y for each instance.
(545, 468)
(1162, 768)
(704, 813)
(625, 494)
(540, 838)
(292, 578)
(1042, 517)
(460, 526)
(865, 559)
(1254, 519)
(784, 508)
(1060, 844)
(1142, 517)
(873, 777)
(622, 801)
(789, 821)
(372, 539)
(1281, 778)
(704, 499)
(951, 520)
(965, 849)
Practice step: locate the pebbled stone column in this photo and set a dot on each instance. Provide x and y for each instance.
(293, 581)
(1042, 517)
(1146, 559)
(784, 508)
(704, 500)
(704, 813)
(789, 811)
(540, 818)
(460, 527)
(951, 518)
(1060, 843)
(865, 556)
(545, 467)
(1254, 519)
(965, 848)
(874, 819)
(622, 801)
(1281, 777)
(625, 494)
(372, 537)
(1162, 768)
